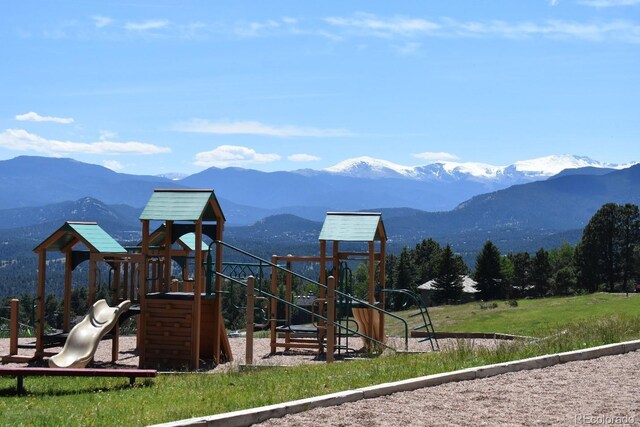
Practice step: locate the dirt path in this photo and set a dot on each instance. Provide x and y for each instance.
(604, 391)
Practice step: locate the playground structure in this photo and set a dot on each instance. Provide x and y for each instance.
(367, 322)
(179, 316)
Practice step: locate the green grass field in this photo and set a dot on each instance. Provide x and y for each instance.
(568, 323)
(531, 317)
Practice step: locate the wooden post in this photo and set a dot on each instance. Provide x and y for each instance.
(167, 256)
(331, 314)
(372, 273)
(125, 283)
(92, 282)
(251, 281)
(197, 307)
(134, 279)
(115, 342)
(14, 327)
(143, 272)
(289, 297)
(372, 293)
(117, 294)
(383, 283)
(323, 261)
(274, 304)
(218, 326)
(42, 269)
(66, 307)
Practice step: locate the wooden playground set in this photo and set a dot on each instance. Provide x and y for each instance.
(179, 317)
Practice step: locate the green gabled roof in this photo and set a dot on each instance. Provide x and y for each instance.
(88, 233)
(181, 205)
(353, 227)
(189, 240)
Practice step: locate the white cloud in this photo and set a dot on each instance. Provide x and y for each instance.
(436, 156)
(113, 165)
(105, 135)
(253, 29)
(267, 27)
(303, 158)
(613, 30)
(609, 3)
(553, 2)
(384, 27)
(146, 25)
(417, 28)
(21, 140)
(255, 128)
(232, 155)
(101, 21)
(35, 117)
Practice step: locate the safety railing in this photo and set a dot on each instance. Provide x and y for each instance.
(338, 294)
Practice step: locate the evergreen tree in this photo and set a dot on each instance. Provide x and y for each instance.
(448, 282)
(605, 253)
(629, 241)
(425, 258)
(488, 273)
(404, 274)
(507, 274)
(541, 273)
(564, 281)
(521, 273)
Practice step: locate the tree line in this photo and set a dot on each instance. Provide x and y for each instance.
(607, 258)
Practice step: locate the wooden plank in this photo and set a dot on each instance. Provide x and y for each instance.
(20, 373)
(298, 345)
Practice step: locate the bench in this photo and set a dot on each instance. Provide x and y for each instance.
(21, 372)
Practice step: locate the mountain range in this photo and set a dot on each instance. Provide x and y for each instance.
(249, 195)
(37, 194)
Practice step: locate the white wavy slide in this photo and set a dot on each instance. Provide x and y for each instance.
(84, 338)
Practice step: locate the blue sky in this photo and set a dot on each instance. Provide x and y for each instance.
(152, 86)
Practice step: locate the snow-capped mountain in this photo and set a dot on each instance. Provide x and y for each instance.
(521, 171)
(368, 167)
(173, 176)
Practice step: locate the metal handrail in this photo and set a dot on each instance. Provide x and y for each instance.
(346, 295)
(293, 273)
(270, 295)
(423, 311)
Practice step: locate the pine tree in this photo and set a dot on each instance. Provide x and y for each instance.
(425, 258)
(605, 254)
(404, 274)
(541, 273)
(488, 273)
(448, 282)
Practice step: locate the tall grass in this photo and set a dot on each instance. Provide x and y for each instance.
(105, 402)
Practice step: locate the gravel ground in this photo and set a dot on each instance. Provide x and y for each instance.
(128, 356)
(602, 391)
